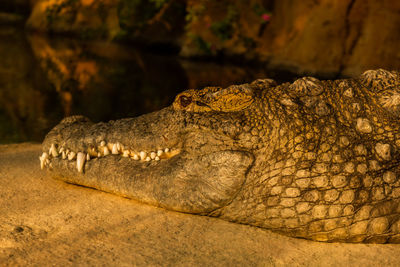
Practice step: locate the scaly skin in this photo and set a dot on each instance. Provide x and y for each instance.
(312, 159)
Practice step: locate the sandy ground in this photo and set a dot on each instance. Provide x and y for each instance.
(45, 222)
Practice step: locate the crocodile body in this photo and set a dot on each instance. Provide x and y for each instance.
(310, 159)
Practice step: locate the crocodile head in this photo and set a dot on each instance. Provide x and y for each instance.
(193, 156)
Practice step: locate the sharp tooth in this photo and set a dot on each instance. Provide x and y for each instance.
(125, 153)
(159, 152)
(87, 157)
(67, 151)
(106, 151)
(147, 159)
(92, 151)
(43, 159)
(135, 157)
(153, 155)
(40, 158)
(80, 161)
(100, 151)
(114, 149)
(53, 151)
(142, 155)
(119, 147)
(63, 155)
(157, 158)
(166, 150)
(102, 143)
(61, 150)
(110, 146)
(71, 155)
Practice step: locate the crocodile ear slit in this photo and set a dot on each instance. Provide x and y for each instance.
(232, 98)
(201, 104)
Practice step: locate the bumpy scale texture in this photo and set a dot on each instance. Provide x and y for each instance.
(311, 159)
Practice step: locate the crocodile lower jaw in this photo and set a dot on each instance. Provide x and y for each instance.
(103, 150)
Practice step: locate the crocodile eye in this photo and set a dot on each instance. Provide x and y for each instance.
(185, 101)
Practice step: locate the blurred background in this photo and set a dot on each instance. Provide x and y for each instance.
(108, 59)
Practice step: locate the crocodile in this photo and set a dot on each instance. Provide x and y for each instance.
(313, 159)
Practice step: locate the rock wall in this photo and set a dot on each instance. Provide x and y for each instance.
(324, 38)
(149, 22)
(319, 37)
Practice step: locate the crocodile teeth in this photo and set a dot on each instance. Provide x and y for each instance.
(110, 146)
(53, 151)
(92, 151)
(142, 155)
(43, 160)
(120, 147)
(80, 161)
(114, 149)
(103, 149)
(71, 155)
